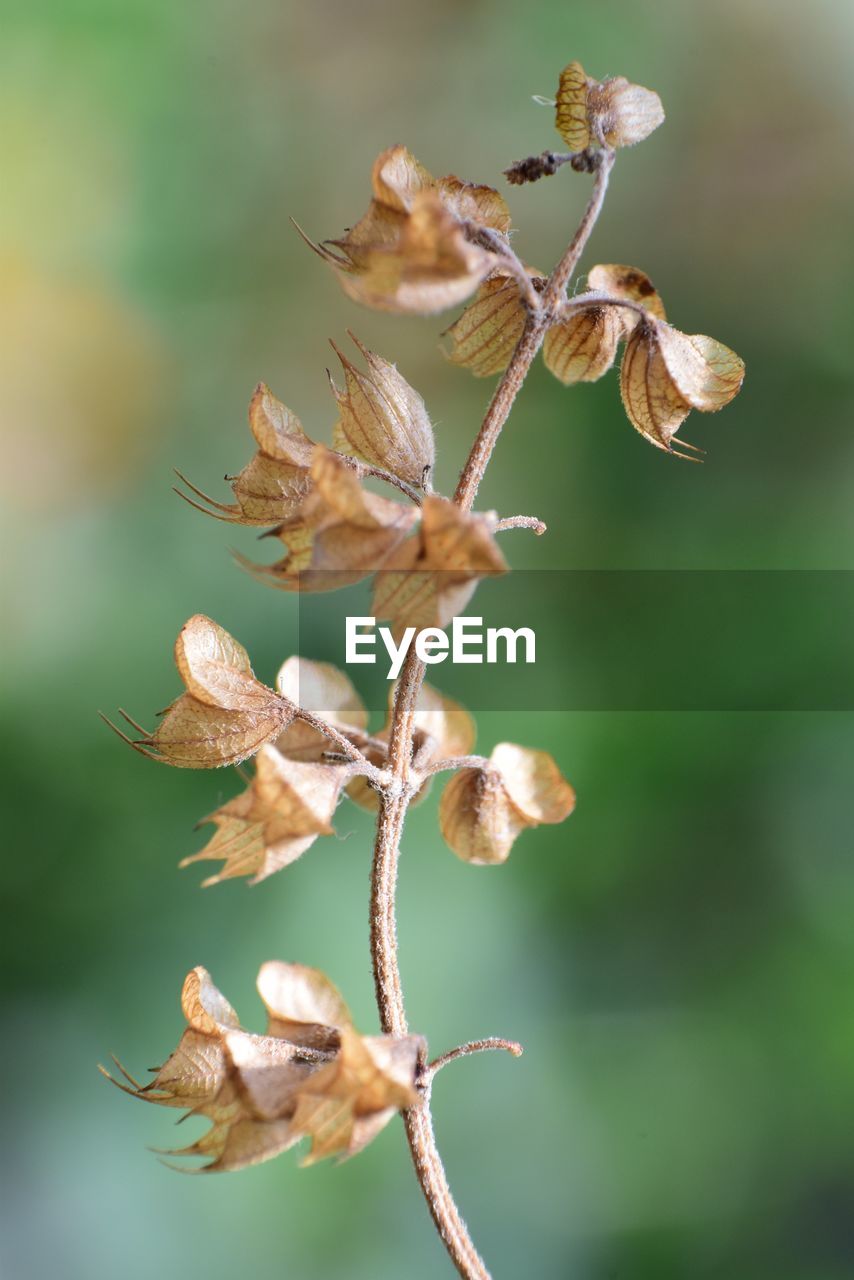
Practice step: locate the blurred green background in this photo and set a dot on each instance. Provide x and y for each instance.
(678, 959)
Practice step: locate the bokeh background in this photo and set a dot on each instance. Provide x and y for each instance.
(678, 959)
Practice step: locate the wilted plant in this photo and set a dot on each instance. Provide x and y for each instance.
(423, 245)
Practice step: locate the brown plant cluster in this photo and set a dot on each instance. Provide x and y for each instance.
(423, 245)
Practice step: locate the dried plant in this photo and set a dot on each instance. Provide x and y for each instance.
(422, 246)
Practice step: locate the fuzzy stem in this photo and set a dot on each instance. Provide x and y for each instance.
(530, 342)
(399, 789)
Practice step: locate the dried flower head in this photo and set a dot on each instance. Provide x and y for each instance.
(311, 1075)
(612, 113)
(483, 810)
(416, 250)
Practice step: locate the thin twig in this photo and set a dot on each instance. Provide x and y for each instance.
(365, 469)
(473, 1046)
(522, 522)
(502, 248)
(456, 762)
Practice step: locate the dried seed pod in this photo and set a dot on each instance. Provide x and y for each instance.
(482, 811)
(584, 347)
(666, 373)
(485, 336)
(383, 419)
(287, 805)
(613, 113)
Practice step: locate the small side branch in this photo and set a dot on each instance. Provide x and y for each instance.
(522, 522)
(501, 247)
(456, 762)
(379, 473)
(473, 1046)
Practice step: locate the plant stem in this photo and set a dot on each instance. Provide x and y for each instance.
(530, 342)
(398, 791)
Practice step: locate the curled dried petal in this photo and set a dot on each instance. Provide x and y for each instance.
(621, 281)
(302, 1005)
(706, 373)
(216, 669)
(413, 251)
(483, 810)
(534, 783)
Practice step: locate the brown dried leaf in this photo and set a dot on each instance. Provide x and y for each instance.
(584, 347)
(477, 819)
(706, 373)
(485, 336)
(534, 783)
(226, 715)
(431, 266)
(482, 811)
(383, 419)
(621, 281)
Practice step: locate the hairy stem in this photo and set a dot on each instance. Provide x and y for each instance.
(397, 792)
(530, 342)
